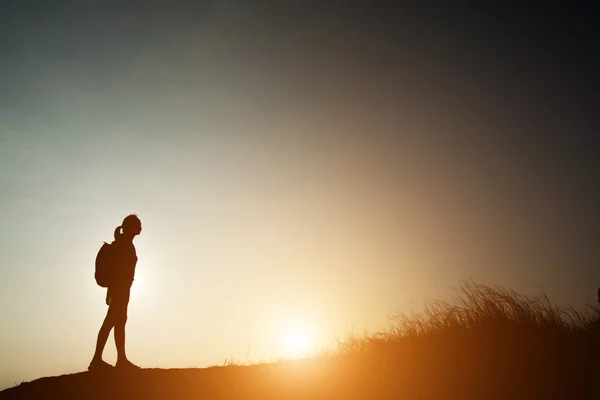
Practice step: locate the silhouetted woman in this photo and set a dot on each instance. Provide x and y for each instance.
(117, 297)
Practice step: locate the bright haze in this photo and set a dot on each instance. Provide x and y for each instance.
(301, 169)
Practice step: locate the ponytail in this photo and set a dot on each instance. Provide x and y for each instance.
(130, 227)
(117, 233)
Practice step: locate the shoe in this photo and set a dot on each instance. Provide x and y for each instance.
(127, 365)
(99, 366)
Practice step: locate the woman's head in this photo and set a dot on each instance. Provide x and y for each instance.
(131, 226)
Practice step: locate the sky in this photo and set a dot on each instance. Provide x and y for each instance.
(300, 168)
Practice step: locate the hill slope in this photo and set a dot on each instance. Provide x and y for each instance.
(341, 379)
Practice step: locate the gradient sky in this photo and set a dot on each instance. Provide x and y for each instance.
(299, 164)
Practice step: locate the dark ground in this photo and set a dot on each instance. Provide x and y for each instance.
(359, 378)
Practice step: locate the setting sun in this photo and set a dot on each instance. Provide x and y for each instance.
(298, 341)
(296, 344)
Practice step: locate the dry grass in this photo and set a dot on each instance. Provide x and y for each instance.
(483, 311)
(490, 343)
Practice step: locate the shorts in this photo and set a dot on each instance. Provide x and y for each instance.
(119, 296)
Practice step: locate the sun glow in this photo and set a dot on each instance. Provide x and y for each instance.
(298, 341)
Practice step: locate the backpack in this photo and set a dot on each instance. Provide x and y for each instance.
(104, 265)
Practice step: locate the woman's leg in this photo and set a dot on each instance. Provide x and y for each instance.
(120, 321)
(107, 325)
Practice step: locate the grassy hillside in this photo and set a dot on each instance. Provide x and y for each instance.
(491, 344)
